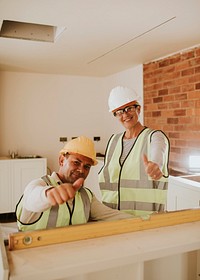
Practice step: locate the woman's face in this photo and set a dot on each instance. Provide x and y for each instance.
(128, 115)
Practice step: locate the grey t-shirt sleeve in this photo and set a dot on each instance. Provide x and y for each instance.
(158, 148)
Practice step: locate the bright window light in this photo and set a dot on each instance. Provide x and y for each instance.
(194, 162)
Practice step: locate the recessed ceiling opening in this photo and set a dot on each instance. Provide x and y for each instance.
(30, 31)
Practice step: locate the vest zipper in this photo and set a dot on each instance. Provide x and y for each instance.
(71, 211)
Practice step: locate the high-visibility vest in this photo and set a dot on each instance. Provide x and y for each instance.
(126, 186)
(59, 215)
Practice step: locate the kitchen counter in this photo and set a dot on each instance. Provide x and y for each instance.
(21, 157)
(194, 177)
(183, 192)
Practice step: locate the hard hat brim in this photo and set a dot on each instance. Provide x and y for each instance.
(125, 105)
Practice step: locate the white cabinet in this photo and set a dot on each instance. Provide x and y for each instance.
(183, 192)
(5, 189)
(15, 174)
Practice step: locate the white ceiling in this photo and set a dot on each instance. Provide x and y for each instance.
(102, 37)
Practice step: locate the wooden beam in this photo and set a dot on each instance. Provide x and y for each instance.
(30, 239)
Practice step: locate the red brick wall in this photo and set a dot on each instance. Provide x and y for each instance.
(172, 103)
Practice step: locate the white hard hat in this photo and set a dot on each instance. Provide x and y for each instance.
(120, 96)
(82, 146)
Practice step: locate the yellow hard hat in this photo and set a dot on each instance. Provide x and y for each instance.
(82, 146)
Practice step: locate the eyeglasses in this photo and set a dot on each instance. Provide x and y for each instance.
(127, 109)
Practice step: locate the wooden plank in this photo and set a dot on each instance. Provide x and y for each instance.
(30, 239)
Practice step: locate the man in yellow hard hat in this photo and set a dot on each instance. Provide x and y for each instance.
(60, 199)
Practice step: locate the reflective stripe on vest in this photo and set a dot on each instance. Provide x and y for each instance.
(62, 215)
(127, 187)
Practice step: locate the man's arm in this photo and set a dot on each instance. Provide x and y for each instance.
(35, 199)
(39, 197)
(100, 212)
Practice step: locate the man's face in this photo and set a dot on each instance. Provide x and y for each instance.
(73, 167)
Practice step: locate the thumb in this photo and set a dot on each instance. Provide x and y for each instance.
(78, 184)
(145, 160)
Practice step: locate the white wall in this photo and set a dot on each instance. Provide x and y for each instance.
(36, 109)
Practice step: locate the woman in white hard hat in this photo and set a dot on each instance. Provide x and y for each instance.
(60, 199)
(134, 177)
